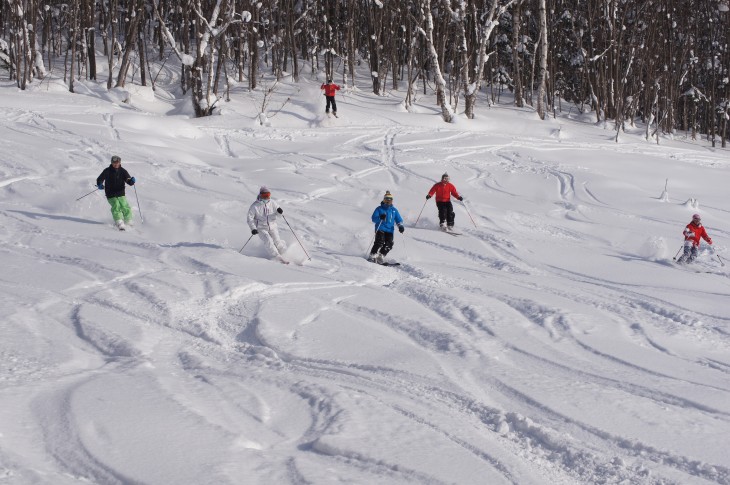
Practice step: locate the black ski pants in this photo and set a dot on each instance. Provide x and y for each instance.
(446, 213)
(331, 102)
(383, 242)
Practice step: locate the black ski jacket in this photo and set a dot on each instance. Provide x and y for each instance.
(114, 179)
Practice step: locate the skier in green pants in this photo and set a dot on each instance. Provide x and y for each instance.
(112, 181)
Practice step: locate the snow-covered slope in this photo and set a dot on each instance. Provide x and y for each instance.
(554, 342)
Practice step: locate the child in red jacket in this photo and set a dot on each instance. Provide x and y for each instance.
(329, 92)
(444, 190)
(692, 235)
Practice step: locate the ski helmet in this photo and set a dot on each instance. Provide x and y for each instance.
(696, 217)
(116, 159)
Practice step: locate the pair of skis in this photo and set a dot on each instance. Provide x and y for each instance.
(398, 264)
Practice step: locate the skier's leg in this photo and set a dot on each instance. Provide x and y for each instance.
(126, 210)
(693, 254)
(442, 212)
(117, 214)
(450, 215)
(387, 243)
(327, 108)
(334, 105)
(278, 243)
(377, 244)
(687, 252)
(268, 242)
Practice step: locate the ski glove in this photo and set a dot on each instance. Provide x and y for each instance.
(132, 181)
(461, 199)
(382, 217)
(254, 232)
(428, 197)
(401, 229)
(280, 210)
(100, 186)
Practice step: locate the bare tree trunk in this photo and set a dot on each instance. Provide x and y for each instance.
(541, 92)
(439, 80)
(136, 13)
(516, 69)
(75, 23)
(112, 40)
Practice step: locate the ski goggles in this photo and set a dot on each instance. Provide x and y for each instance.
(116, 159)
(265, 195)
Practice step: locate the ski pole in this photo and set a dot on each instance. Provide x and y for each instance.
(718, 257)
(295, 235)
(86, 194)
(138, 208)
(419, 214)
(680, 250)
(470, 217)
(367, 250)
(245, 244)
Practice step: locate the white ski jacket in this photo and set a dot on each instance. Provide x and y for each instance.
(262, 214)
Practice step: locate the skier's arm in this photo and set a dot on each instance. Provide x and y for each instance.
(454, 192)
(101, 177)
(376, 216)
(398, 218)
(433, 190)
(127, 178)
(251, 218)
(706, 237)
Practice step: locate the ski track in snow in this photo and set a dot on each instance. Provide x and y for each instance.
(515, 363)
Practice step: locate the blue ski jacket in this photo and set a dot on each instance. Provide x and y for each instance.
(392, 217)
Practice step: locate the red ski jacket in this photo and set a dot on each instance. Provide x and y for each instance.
(694, 232)
(443, 191)
(329, 89)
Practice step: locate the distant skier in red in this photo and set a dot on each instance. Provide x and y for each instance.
(444, 190)
(329, 89)
(692, 235)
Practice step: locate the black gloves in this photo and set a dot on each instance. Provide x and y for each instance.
(254, 232)
(428, 197)
(280, 210)
(382, 217)
(461, 199)
(401, 228)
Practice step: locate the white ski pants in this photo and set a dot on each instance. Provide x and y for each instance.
(272, 242)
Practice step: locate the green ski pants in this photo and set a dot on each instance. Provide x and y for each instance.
(120, 209)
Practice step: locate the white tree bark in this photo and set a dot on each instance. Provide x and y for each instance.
(542, 91)
(427, 31)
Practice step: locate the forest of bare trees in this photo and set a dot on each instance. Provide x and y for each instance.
(663, 63)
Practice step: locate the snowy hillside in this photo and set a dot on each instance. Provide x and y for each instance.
(553, 342)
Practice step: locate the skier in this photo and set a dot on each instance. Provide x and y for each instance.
(262, 220)
(385, 217)
(111, 181)
(329, 89)
(692, 235)
(444, 190)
